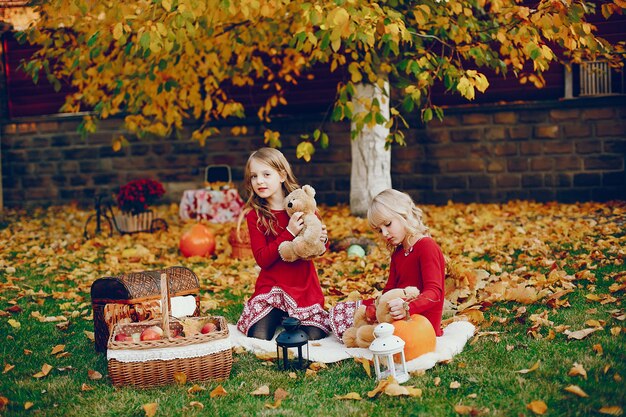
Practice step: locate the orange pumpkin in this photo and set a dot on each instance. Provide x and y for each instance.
(418, 335)
(197, 241)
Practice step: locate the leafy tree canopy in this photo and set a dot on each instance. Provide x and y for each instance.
(162, 62)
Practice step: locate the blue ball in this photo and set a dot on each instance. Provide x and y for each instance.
(356, 250)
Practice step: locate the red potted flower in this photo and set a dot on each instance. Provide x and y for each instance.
(137, 196)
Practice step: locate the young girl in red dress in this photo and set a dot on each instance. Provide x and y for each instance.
(282, 288)
(416, 260)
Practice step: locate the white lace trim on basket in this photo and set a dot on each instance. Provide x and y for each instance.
(165, 354)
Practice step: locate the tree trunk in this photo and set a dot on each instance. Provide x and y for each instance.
(371, 163)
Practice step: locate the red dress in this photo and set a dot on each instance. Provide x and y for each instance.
(424, 268)
(289, 286)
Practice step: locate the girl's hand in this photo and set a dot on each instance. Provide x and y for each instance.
(396, 308)
(324, 235)
(295, 223)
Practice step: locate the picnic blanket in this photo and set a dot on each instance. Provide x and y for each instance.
(330, 349)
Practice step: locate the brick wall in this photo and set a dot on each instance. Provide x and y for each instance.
(564, 151)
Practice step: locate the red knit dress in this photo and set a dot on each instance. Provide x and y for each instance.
(423, 267)
(289, 286)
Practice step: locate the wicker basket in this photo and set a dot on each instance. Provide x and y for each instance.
(134, 297)
(240, 243)
(146, 364)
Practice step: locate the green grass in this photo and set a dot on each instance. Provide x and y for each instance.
(485, 369)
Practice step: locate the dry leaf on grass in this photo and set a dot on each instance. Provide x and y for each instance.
(577, 369)
(57, 349)
(7, 368)
(531, 369)
(94, 375)
(349, 396)
(45, 370)
(28, 405)
(262, 390)
(575, 389)
(195, 389)
(180, 378)
(537, 407)
(218, 391)
(366, 363)
(150, 409)
(611, 410)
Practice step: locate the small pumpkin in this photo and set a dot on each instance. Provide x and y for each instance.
(418, 335)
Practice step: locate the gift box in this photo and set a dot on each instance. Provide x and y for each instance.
(135, 297)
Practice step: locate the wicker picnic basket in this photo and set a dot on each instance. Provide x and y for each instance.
(152, 363)
(240, 243)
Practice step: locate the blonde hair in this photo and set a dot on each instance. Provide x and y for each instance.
(393, 204)
(276, 160)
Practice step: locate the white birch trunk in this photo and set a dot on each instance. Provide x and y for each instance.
(371, 163)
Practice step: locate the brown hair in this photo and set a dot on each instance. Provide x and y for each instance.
(276, 160)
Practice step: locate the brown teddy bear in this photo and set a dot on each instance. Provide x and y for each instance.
(361, 334)
(307, 244)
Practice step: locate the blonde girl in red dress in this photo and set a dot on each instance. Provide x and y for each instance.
(416, 260)
(282, 288)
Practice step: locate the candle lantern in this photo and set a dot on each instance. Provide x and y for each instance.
(383, 348)
(292, 337)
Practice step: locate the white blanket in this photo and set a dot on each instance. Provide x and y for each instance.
(330, 349)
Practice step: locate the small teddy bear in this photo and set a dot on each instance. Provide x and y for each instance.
(361, 334)
(307, 244)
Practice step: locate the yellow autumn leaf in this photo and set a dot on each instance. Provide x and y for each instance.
(28, 405)
(94, 375)
(366, 365)
(180, 378)
(262, 390)
(195, 389)
(612, 410)
(576, 370)
(150, 409)
(196, 404)
(575, 389)
(7, 368)
(14, 323)
(348, 396)
(57, 349)
(45, 370)
(531, 369)
(538, 407)
(218, 391)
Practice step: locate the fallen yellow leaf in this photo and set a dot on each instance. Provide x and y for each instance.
(262, 390)
(577, 369)
(57, 349)
(280, 394)
(28, 405)
(531, 369)
(7, 368)
(197, 404)
(366, 365)
(94, 375)
(180, 378)
(273, 406)
(575, 389)
(195, 388)
(612, 410)
(348, 396)
(537, 407)
(218, 391)
(45, 370)
(85, 387)
(150, 409)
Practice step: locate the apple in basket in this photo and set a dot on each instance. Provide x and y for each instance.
(208, 328)
(151, 333)
(123, 337)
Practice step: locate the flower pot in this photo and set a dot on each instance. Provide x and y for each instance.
(130, 223)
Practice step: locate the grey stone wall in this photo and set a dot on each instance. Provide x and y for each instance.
(553, 151)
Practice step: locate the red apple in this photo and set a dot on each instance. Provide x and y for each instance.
(151, 333)
(370, 313)
(208, 328)
(123, 337)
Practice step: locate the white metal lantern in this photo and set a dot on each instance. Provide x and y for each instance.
(383, 348)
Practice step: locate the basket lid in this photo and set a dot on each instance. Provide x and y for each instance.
(145, 284)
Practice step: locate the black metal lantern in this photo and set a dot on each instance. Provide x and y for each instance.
(292, 337)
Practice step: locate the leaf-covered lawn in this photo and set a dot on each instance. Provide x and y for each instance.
(543, 282)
